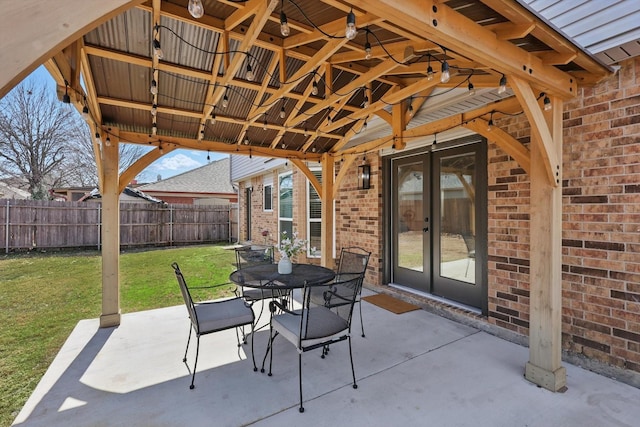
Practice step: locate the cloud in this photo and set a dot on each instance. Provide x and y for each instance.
(176, 163)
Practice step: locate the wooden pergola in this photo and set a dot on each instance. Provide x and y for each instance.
(231, 82)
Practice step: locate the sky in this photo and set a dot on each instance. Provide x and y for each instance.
(171, 164)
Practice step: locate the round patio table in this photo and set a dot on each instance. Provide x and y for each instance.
(266, 276)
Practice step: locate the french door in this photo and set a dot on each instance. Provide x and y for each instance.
(438, 229)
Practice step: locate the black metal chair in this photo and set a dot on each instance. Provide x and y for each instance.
(353, 263)
(211, 316)
(316, 326)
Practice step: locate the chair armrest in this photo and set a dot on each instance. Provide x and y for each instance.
(275, 304)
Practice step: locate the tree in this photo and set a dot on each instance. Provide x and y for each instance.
(44, 143)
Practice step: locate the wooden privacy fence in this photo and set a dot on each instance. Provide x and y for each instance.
(37, 224)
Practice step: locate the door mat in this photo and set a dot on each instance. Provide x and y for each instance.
(390, 303)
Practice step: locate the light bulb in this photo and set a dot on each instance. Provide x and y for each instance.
(429, 73)
(225, 101)
(306, 131)
(157, 50)
(367, 50)
(85, 111)
(410, 110)
(264, 124)
(98, 140)
(284, 25)
(283, 113)
(107, 142)
(547, 103)
(472, 89)
(154, 109)
(503, 85)
(250, 75)
(154, 87)
(154, 129)
(212, 119)
(364, 125)
(196, 9)
(314, 89)
(445, 76)
(351, 31)
(490, 125)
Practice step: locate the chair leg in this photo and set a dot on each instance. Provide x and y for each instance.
(253, 353)
(269, 352)
(361, 324)
(301, 409)
(195, 364)
(184, 359)
(353, 372)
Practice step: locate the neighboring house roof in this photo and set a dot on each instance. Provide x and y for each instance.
(9, 192)
(132, 193)
(609, 30)
(214, 177)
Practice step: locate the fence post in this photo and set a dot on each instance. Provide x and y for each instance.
(170, 225)
(6, 230)
(99, 224)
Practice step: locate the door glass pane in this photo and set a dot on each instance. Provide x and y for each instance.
(409, 216)
(457, 217)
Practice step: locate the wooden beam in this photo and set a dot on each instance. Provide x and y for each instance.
(151, 156)
(310, 176)
(344, 169)
(110, 233)
(539, 126)
(326, 227)
(511, 31)
(29, 36)
(463, 36)
(544, 367)
(509, 144)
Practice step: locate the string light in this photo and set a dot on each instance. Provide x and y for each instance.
(157, 50)
(364, 125)
(472, 90)
(365, 104)
(160, 149)
(66, 98)
(547, 103)
(283, 113)
(154, 128)
(284, 24)
(85, 109)
(264, 124)
(250, 75)
(196, 9)
(445, 76)
(208, 157)
(213, 116)
(429, 69)
(154, 87)
(367, 46)
(107, 142)
(314, 89)
(225, 100)
(490, 124)
(98, 140)
(351, 31)
(503, 85)
(154, 109)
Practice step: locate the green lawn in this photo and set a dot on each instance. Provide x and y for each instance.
(43, 296)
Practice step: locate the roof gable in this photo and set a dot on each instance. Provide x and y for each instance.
(214, 177)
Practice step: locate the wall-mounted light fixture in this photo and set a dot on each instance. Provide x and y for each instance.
(364, 177)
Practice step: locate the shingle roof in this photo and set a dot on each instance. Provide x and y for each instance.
(214, 177)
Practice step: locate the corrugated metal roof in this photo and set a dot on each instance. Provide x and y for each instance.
(609, 29)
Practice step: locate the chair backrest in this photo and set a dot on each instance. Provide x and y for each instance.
(339, 297)
(186, 295)
(254, 255)
(353, 261)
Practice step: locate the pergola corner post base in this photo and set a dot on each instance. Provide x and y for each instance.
(109, 320)
(551, 380)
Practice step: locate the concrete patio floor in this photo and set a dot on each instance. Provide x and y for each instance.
(413, 369)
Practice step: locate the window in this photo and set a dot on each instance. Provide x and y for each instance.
(285, 203)
(268, 199)
(314, 217)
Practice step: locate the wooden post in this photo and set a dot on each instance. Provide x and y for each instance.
(545, 327)
(328, 173)
(110, 232)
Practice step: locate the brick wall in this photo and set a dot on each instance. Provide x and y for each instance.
(359, 219)
(601, 224)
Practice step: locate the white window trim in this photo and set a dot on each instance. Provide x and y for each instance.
(312, 220)
(280, 217)
(264, 198)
